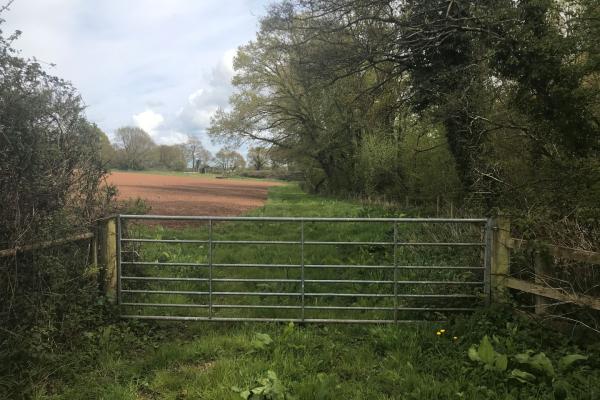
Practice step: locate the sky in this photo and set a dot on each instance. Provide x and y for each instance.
(162, 65)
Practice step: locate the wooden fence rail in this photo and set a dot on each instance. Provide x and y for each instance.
(502, 280)
(103, 251)
(42, 245)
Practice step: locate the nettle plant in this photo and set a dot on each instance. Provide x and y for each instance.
(527, 367)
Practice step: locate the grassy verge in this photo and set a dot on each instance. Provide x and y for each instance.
(135, 360)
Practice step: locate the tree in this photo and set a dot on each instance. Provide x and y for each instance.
(197, 154)
(172, 157)
(258, 157)
(107, 151)
(136, 145)
(51, 187)
(229, 160)
(497, 99)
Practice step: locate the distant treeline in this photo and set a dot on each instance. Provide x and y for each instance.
(134, 149)
(493, 103)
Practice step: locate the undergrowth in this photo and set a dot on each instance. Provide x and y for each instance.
(428, 360)
(279, 361)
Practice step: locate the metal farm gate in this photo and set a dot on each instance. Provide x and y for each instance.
(289, 269)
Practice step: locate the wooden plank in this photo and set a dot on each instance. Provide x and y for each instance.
(565, 253)
(50, 243)
(556, 294)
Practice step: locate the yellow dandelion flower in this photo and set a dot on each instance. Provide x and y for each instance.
(438, 333)
(455, 338)
(443, 330)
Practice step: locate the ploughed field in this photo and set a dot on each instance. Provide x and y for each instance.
(192, 195)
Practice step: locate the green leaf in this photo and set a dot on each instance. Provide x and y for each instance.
(271, 374)
(258, 390)
(569, 359)
(522, 376)
(501, 362)
(523, 357)
(261, 341)
(542, 363)
(473, 355)
(486, 351)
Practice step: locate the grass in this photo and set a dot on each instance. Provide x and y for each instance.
(286, 201)
(200, 360)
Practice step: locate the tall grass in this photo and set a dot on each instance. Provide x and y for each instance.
(201, 360)
(282, 265)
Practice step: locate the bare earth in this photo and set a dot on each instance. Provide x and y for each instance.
(193, 195)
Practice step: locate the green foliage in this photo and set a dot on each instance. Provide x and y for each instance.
(327, 362)
(137, 206)
(172, 157)
(136, 147)
(490, 104)
(269, 388)
(52, 164)
(566, 361)
(261, 341)
(376, 155)
(529, 366)
(485, 354)
(538, 362)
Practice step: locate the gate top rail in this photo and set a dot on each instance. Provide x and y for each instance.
(302, 219)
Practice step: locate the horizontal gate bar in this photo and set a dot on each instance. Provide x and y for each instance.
(406, 244)
(183, 305)
(313, 320)
(317, 266)
(174, 264)
(299, 219)
(317, 294)
(257, 280)
(274, 306)
(142, 240)
(313, 243)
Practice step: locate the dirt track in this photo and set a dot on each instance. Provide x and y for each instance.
(194, 195)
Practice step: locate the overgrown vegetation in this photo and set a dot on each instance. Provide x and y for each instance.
(278, 361)
(491, 103)
(50, 188)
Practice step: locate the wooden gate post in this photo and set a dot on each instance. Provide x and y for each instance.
(107, 245)
(500, 264)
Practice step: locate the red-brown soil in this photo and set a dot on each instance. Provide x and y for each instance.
(193, 195)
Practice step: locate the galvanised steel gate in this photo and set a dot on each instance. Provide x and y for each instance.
(289, 269)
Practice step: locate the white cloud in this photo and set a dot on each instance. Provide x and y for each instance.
(170, 137)
(149, 121)
(225, 66)
(171, 60)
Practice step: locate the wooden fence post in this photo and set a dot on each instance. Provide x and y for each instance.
(542, 271)
(500, 264)
(107, 245)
